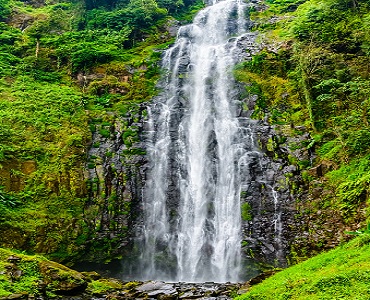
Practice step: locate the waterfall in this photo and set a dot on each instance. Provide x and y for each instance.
(192, 222)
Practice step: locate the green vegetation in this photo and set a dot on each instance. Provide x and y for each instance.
(22, 274)
(246, 211)
(36, 276)
(343, 273)
(67, 69)
(4, 9)
(103, 286)
(312, 75)
(72, 68)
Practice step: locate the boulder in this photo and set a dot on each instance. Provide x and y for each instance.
(62, 280)
(20, 296)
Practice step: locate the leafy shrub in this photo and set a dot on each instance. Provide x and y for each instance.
(358, 141)
(137, 14)
(7, 200)
(4, 9)
(85, 55)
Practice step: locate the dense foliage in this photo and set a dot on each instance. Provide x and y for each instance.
(67, 67)
(313, 75)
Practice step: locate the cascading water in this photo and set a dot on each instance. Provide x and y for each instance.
(192, 226)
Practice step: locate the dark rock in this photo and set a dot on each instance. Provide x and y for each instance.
(321, 169)
(89, 276)
(14, 259)
(172, 27)
(155, 288)
(17, 274)
(170, 291)
(116, 174)
(261, 277)
(267, 189)
(19, 296)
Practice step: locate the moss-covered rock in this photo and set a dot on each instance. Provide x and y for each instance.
(60, 279)
(22, 274)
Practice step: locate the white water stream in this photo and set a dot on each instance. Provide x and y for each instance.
(192, 226)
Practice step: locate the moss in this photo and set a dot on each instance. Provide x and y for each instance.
(246, 211)
(271, 145)
(104, 132)
(23, 276)
(103, 286)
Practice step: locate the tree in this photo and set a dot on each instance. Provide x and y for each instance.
(144, 12)
(91, 4)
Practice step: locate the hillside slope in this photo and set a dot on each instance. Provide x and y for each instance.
(342, 273)
(73, 75)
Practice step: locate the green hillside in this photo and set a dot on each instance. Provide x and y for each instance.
(66, 69)
(342, 273)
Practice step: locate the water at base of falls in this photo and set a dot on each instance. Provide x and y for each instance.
(192, 220)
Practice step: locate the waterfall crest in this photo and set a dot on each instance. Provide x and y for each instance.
(192, 226)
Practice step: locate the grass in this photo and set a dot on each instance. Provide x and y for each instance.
(342, 273)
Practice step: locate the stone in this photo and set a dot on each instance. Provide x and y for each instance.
(172, 27)
(14, 259)
(170, 291)
(17, 274)
(89, 276)
(115, 173)
(155, 288)
(20, 296)
(261, 277)
(62, 280)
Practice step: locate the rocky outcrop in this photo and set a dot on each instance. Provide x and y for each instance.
(27, 277)
(60, 279)
(115, 172)
(269, 190)
(287, 205)
(13, 174)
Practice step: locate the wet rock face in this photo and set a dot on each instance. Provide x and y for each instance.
(267, 177)
(269, 191)
(172, 27)
(116, 171)
(266, 197)
(115, 174)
